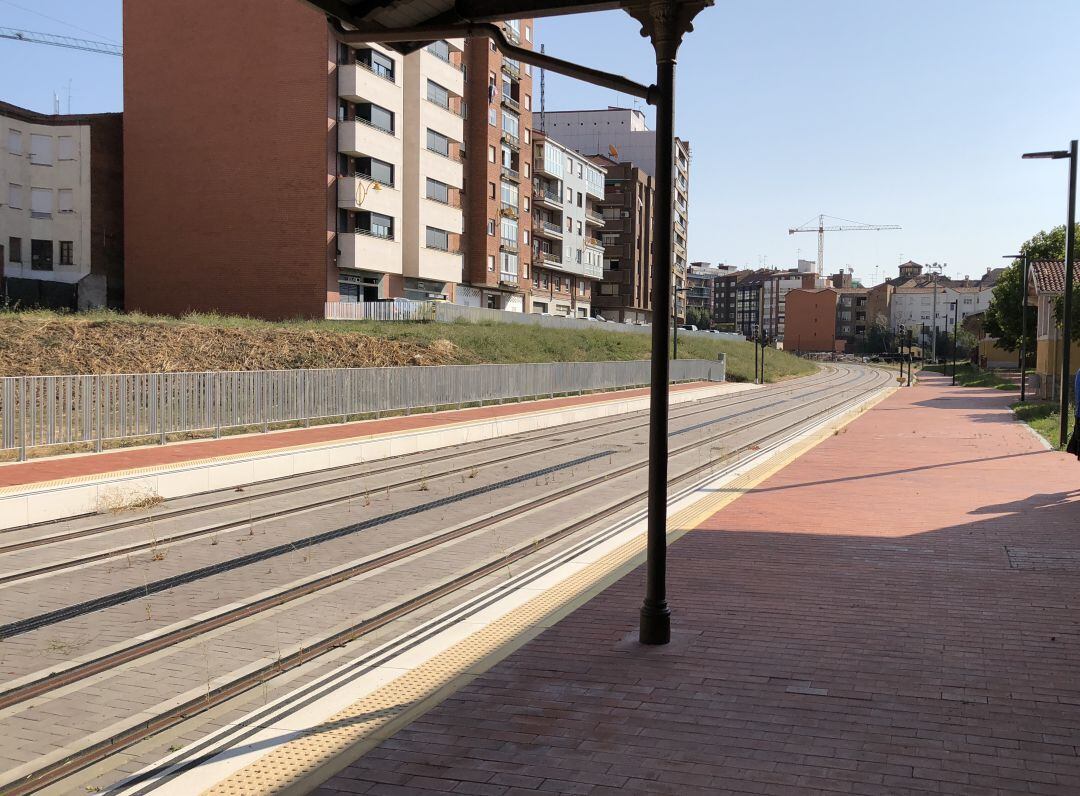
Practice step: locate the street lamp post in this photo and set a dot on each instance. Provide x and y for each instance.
(675, 322)
(955, 325)
(1023, 324)
(1070, 243)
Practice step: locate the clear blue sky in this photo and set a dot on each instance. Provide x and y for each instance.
(911, 113)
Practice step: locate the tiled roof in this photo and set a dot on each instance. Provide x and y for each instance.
(1049, 276)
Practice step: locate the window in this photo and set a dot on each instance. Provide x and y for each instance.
(438, 94)
(438, 239)
(41, 203)
(14, 142)
(376, 116)
(493, 117)
(41, 150)
(510, 123)
(528, 33)
(67, 252)
(491, 262)
(375, 169)
(579, 230)
(378, 62)
(15, 196)
(375, 224)
(528, 105)
(491, 226)
(580, 200)
(509, 194)
(438, 191)
(508, 229)
(41, 255)
(508, 266)
(525, 236)
(15, 250)
(528, 170)
(440, 49)
(437, 142)
(610, 238)
(526, 204)
(491, 190)
(67, 200)
(491, 154)
(581, 286)
(569, 195)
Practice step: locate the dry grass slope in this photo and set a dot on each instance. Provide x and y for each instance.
(45, 343)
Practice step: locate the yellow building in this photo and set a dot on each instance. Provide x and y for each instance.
(1047, 283)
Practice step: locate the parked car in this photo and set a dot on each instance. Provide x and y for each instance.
(689, 328)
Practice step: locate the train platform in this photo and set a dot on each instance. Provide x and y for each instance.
(891, 609)
(57, 487)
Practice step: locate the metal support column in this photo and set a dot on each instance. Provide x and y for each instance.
(661, 24)
(1023, 333)
(1066, 323)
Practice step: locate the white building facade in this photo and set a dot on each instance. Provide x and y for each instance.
(47, 209)
(400, 175)
(568, 255)
(622, 135)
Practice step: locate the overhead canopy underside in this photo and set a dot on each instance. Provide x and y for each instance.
(407, 14)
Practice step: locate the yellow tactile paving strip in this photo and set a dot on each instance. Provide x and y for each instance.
(305, 447)
(299, 765)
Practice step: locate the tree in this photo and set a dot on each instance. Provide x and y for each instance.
(699, 317)
(1003, 316)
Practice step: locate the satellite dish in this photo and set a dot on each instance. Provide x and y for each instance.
(613, 151)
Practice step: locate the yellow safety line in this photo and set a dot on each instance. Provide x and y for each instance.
(320, 752)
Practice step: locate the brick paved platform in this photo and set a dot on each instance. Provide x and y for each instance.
(895, 612)
(91, 464)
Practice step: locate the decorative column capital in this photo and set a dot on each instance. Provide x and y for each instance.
(665, 22)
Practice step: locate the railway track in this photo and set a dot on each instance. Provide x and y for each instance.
(840, 392)
(557, 440)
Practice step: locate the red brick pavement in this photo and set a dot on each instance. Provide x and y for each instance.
(51, 469)
(895, 612)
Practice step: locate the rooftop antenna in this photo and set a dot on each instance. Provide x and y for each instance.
(55, 104)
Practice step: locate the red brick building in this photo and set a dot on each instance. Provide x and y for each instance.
(498, 173)
(811, 320)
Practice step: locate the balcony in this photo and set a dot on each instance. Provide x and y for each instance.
(593, 219)
(554, 258)
(358, 83)
(439, 265)
(508, 210)
(594, 242)
(360, 139)
(550, 198)
(511, 68)
(511, 103)
(361, 192)
(510, 174)
(508, 245)
(510, 140)
(548, 228)
(362, 250)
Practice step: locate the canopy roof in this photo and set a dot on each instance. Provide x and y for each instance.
(405, 15)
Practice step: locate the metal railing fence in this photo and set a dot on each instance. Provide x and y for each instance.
(40, 411)
(445, 312)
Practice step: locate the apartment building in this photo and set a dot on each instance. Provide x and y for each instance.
(567, 254)
(498, 237)
(625, 294)
(320, 172)
(725, 298)
(923, 301)
(61, 210)
(761, 297)
(622, 135)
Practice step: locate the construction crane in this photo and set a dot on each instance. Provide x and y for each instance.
(33, 37)
(821, 229)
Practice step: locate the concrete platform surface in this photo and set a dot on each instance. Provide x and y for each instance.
(894, 612)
